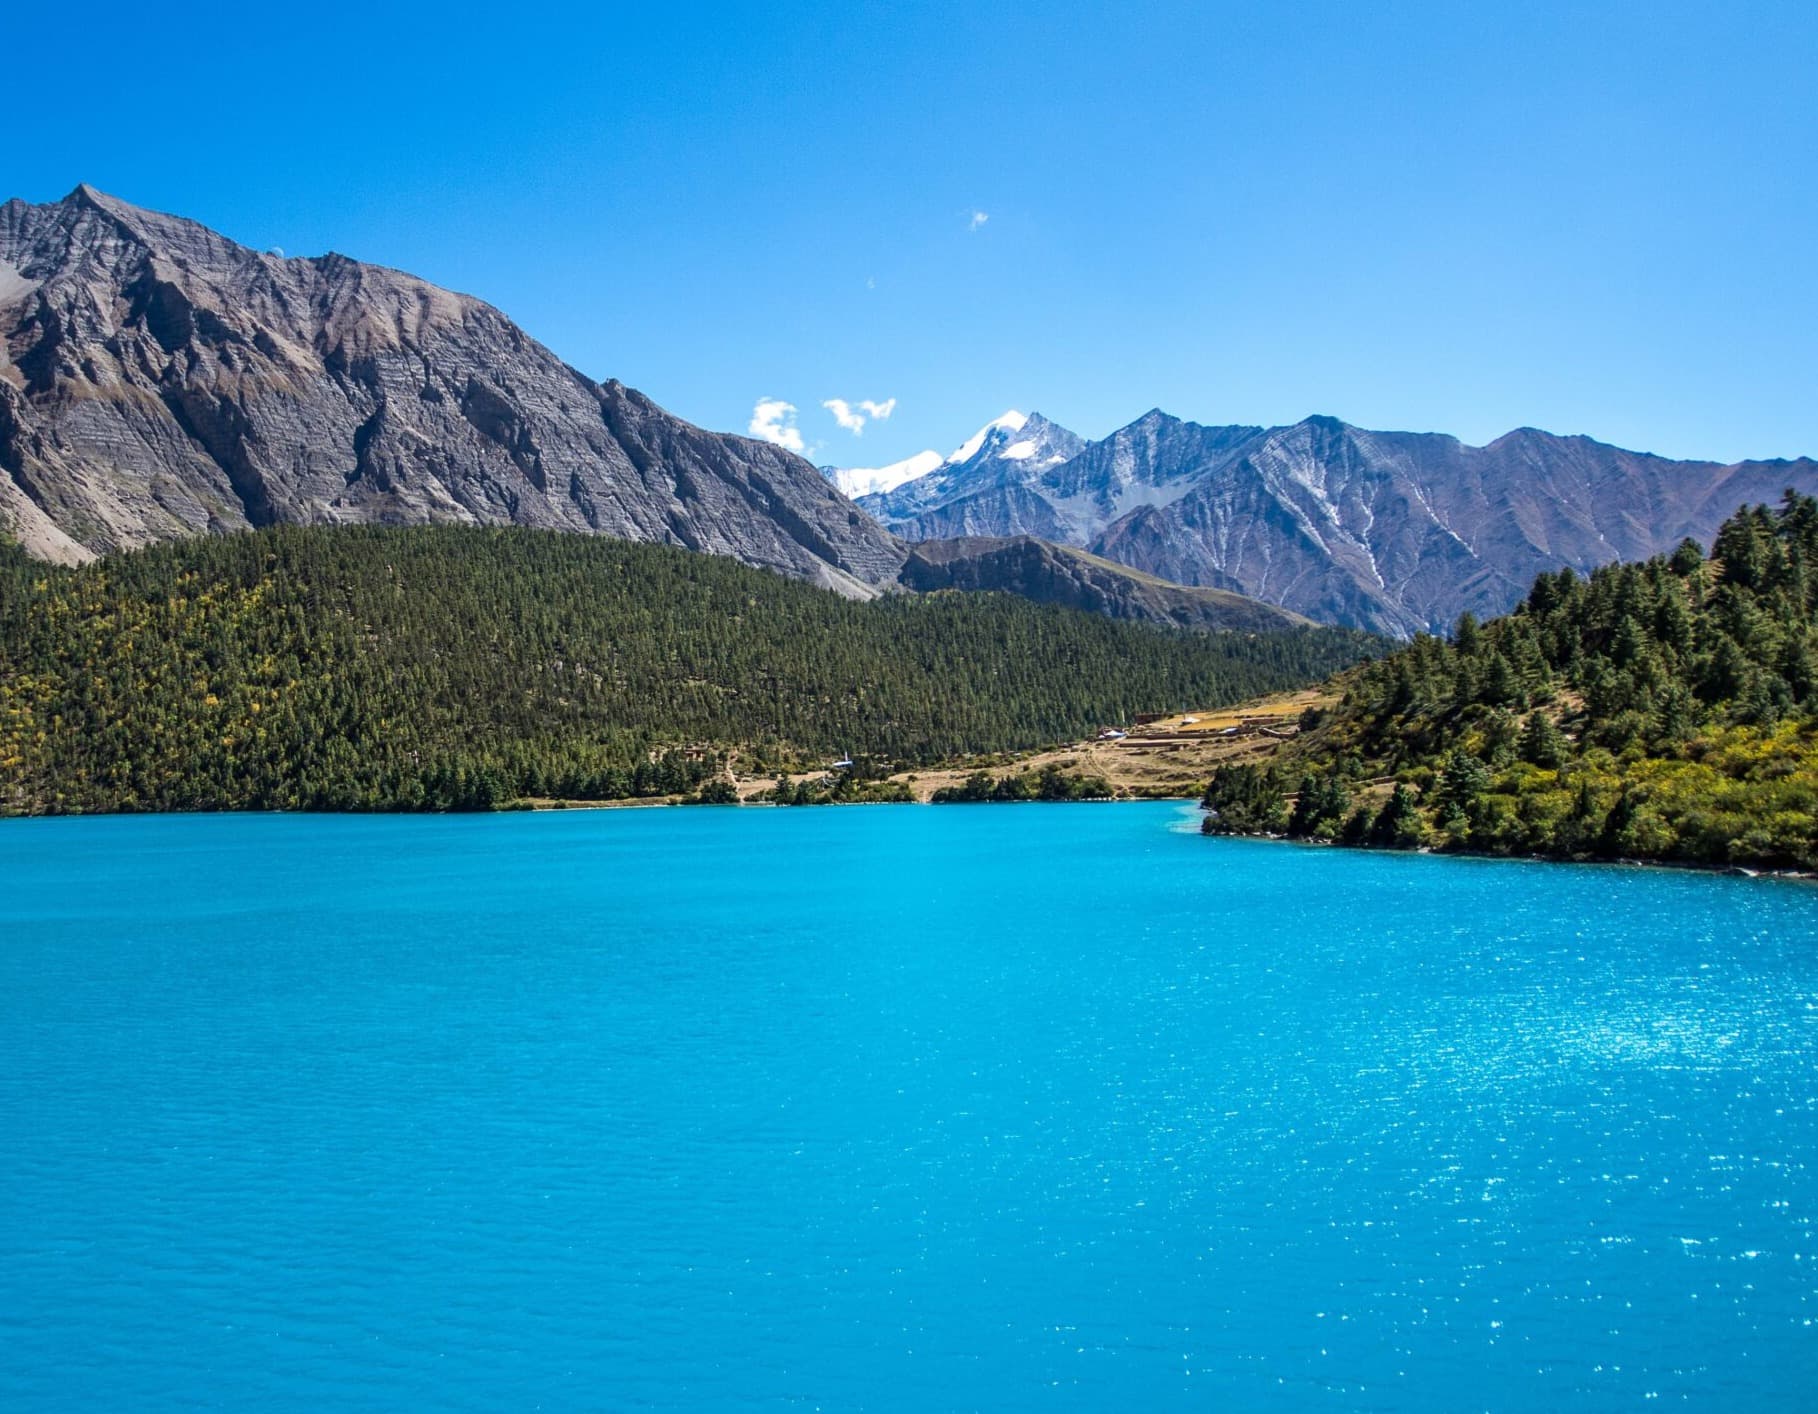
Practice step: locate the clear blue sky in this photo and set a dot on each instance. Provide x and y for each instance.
(1454, 217)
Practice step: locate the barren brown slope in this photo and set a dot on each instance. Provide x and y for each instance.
(1064, 574)
(1166, 758)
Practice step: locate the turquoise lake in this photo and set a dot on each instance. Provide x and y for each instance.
(892, 1108)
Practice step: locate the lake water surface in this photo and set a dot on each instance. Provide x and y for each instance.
(1035, 1107)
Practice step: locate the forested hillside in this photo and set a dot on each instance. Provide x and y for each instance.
(1663, 710)
(435, 668)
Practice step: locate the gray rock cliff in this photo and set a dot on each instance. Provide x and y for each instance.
(158, 380)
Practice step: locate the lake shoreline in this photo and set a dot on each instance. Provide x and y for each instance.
(1733, 870)
(554, 807)
(1739, 871)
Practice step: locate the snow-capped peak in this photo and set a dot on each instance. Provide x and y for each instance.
(1012, 421)
(1031, 443)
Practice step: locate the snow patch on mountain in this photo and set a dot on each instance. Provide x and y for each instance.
(989, 440)
(875, 480)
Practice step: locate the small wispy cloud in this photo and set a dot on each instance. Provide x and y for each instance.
(978, 219)
(773, 420)
(853, 416)
(853, 422)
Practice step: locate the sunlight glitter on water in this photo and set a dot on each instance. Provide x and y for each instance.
(686, 1108)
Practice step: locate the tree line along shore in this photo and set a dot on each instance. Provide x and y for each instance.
(454, 668)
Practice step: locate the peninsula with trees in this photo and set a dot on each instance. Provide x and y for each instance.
(1664, 710)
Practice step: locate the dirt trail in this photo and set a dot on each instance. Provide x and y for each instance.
(1170, 756)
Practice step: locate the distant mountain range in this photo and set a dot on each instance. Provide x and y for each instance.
(158, 381)
(1392, 531)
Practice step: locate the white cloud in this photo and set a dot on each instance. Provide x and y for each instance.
(853, 422)
(773, 420)
(978, 219)
(853, 416)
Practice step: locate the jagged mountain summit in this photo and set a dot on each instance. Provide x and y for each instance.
(1007, 449)
(1392, 531)
(158, 380)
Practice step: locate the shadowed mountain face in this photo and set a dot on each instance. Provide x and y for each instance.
(1060, 574)
(1391, 531)
(158, 380)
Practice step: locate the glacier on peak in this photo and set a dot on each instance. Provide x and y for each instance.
(1012, 421)
(878, 481)
(858, 481)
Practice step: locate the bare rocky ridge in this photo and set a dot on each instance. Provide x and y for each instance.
(1391, 531)
(158, 380)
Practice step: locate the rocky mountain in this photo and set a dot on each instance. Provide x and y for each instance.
(1005, 452)
(158, 380)
(1391, 531)
(1061, 574)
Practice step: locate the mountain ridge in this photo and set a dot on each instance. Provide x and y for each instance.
(1394, 531)
(158, 379)
(1063, 574)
